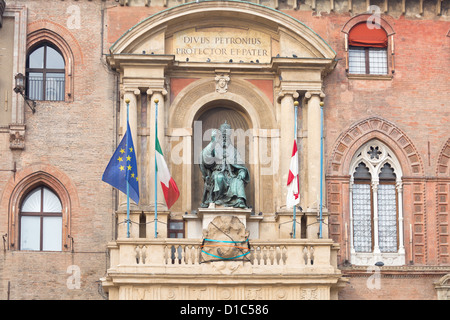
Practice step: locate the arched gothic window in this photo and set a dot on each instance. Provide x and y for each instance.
(376, 211)
(41, 221)
(45, 73)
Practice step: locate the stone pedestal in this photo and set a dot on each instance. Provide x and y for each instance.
(196, 223)
(285, 221)
(136, 220)
(208, 214)
(307, 225)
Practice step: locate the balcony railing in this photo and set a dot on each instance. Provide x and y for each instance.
(172, 255)
(52, 88)
(185, 268)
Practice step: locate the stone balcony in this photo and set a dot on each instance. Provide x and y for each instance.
(155, 269)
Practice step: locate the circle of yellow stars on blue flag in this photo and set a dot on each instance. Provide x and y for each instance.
(122, 167)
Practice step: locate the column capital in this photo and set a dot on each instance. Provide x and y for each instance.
(152, 91)
(284, 93)
(311, 93)
(131, 90)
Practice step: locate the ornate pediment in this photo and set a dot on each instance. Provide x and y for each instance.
(211, 32)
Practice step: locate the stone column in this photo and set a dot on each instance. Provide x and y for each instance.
(159, 96)
(130, 94)
(287, 114)
(376, 247)
(352, 248)
(313, 99)
(401, 248)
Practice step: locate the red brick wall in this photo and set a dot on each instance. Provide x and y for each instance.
(387, 286)
(73, 142)
(416, 102)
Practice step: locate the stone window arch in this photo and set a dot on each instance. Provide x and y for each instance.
(46, 32)
(369, 45)
(376, 210)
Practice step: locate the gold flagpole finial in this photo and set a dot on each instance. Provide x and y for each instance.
(127, 101)
(156, 100)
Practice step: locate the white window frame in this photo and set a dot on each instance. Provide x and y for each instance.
(46, 237)
(374, 165)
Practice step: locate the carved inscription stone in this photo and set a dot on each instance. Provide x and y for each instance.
(222, 45)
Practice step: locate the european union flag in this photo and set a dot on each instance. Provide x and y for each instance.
(123, 167)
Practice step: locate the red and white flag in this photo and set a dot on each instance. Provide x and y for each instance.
(293, 196)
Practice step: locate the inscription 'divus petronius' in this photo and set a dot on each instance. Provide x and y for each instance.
(221, 45)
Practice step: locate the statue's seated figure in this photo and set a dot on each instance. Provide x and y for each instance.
(223, 171)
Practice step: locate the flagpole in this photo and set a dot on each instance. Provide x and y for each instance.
(156, 173)
(295, 139)
(321, 169)
(127, 101)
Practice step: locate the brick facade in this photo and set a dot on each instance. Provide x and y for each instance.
(71, 142)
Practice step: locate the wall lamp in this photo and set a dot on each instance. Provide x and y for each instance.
(20, 88)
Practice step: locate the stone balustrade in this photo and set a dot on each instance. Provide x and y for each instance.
(168, 255)
(165, 268)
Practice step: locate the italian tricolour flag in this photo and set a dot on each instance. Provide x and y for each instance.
(169, 187)
(293, 196)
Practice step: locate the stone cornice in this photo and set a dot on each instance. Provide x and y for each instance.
(118, 60)
(391, 271)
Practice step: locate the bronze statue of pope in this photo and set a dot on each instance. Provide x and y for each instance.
(224, 173)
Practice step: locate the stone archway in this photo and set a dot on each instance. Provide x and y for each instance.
(443, 163)
(368, 129)
(339, 161)
(212, 116)
(201, 93)
(243, 106)
(29, 178)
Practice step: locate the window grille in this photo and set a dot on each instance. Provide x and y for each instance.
(46, 74)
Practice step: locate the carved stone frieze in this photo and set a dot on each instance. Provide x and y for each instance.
(242, 292)
(309, 294)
